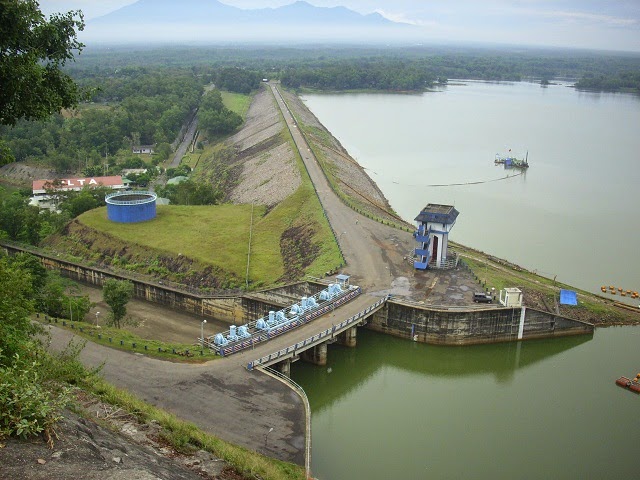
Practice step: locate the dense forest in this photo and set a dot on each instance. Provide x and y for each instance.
(131, 105)
(373, 67)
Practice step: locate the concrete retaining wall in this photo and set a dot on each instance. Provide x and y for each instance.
(471, 326)
(430, 325)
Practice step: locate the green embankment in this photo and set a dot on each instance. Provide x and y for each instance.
(219, 236)
(236, 102)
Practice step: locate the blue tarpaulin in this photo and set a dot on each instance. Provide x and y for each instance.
(568, 297)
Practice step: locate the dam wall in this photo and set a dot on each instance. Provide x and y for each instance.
(467, 326)
(444, 326)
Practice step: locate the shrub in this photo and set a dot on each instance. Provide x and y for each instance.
(30, 404)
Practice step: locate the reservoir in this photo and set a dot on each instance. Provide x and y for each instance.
(573, 214)
(391, 408)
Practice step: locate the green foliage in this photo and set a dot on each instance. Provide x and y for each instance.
(375, 74)
(162, 151)
(628, 81)
(16, 303)
(191, 192)
(116, 294)
(214, 117)
(32, 392)
(240, 80)
(236, 102)
(30, 404)
(27, 223)
(179, 171)
(6, 156)
(33, 266)
(76, 307)
(33, 52)
(144, 107)
(75, 203)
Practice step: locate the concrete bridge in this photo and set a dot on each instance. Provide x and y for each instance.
(311, 343)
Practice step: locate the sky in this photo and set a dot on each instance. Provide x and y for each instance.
(591, 24)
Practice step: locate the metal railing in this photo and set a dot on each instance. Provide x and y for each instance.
(307, 407)
(448, 264)
(329, 332)
(256, 335)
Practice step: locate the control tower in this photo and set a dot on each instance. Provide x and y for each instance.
(434, 224)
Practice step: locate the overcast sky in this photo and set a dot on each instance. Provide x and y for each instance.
(593, 24)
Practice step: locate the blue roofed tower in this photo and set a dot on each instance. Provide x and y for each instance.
(434, 224)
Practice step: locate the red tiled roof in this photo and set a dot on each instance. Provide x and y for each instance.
(77, 183)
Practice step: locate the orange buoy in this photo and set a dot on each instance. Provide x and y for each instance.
(619, 289)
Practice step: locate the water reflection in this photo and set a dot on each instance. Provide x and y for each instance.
(348, 369)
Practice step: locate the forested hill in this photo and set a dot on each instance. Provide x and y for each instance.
(390, 68)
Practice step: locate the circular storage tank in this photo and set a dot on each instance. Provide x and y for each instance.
(131, 207)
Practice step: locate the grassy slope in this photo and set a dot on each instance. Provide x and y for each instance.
(236, 102)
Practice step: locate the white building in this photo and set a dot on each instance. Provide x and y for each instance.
(434, 224)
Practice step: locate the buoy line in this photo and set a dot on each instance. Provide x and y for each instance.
(459, 184)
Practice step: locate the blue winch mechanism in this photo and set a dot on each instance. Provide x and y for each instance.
(282, 318)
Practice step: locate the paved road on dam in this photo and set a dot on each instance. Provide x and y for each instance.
(370, 248)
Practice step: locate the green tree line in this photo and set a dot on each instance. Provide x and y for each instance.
(624, 81)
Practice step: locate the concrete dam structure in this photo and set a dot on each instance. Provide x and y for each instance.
(398, 317)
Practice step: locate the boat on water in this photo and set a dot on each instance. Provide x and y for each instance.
(629, 384)
(510, 161)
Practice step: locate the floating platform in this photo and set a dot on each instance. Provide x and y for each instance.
(512, 162)
(629, 384)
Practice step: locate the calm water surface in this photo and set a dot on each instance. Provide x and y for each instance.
(391, 408)
(574, 214)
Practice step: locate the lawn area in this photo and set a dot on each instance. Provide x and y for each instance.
(219, 235)
(236, 102)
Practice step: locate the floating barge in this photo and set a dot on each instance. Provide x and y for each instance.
(629, 384)
(512, 162)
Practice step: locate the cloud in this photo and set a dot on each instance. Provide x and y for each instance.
(404, 18)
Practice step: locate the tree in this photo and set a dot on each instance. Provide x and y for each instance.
(116, 294)
(16, 292)
(31, 264)
(33, 51)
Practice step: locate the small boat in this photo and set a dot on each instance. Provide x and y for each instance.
(629, 384)
(512, 162)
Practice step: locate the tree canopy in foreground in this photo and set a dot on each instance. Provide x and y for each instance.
(33, 51)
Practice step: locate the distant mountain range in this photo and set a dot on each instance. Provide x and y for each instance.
(207, 21)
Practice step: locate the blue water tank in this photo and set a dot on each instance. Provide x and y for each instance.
(131, 207)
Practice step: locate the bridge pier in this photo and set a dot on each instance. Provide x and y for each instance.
(348, 337)
(316, 355)
(284, 367)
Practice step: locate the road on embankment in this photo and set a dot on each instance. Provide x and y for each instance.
(374, 252)
(187, 140)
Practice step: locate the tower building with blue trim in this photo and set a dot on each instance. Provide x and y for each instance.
(434, 224)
